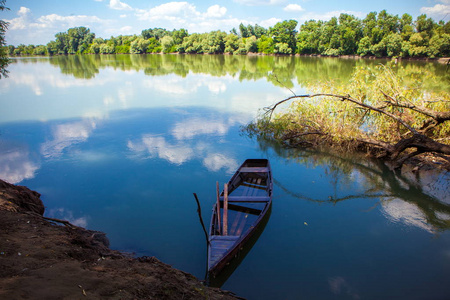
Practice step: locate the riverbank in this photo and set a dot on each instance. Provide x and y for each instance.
(44, 258)
(441, 60)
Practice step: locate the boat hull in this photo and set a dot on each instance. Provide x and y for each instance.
(249, 200)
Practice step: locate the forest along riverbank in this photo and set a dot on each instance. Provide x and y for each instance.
(44, 258)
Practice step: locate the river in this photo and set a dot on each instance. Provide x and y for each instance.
(120, 143)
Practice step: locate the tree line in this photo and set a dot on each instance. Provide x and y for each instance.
(378, 34)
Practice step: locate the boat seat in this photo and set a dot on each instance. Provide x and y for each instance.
(254, 170)
(247, 199)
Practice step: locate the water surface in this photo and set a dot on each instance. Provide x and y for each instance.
(120, 143)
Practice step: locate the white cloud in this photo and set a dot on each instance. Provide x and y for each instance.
(438, 9)
(293, 8)
(216, 11)
(20, 22)
(28, 30)
(23, 11)
(269, 22)
(328, 15)
(185, 15)
(57, 21)
(260, 2)
(168, 11)
(117, 5)
(126, 30)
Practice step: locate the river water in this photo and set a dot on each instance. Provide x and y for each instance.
(120, 143)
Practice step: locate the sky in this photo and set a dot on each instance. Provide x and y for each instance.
(37, 22)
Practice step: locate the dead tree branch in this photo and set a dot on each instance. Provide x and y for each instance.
(416, 139)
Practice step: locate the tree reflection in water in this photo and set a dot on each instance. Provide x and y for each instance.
(421, 199)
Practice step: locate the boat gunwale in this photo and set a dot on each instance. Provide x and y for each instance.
(244, 237)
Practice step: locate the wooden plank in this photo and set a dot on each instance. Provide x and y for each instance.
(218, 207)
(235, 222)
(225, 209)
(254, 189)
(239, 231)
(248, 199)
(249, 210)
(254, 170)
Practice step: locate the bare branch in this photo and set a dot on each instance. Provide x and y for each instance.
(345, 98)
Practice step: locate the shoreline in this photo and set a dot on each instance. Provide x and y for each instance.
(45, 258)
(441, 60)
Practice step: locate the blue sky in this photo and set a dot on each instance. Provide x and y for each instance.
(37, 22)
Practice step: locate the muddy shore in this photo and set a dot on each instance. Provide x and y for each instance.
(43, 258)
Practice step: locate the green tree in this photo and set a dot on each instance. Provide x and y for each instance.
(179, 35)
(154, 46)
(167, 44)
(250, 44)
(40, 50)
(439, 45)
(406, 26)
(193, 43)
(214, 42)
(79, 39)
(139, 46)
(309, 37)
(285, 33)
(266, 45)
(4, 60)
(424, 26)
(259, 31)
(394, 45)
(351, 32)
(243, 30)
(364, 46)
(417, 46)
(157, 33)
(231, 43)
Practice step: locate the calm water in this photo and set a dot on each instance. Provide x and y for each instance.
(120, 143)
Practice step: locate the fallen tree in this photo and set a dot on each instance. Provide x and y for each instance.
(380, 113)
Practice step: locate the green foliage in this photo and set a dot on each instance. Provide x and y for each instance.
(139, 46)
(266, 45)
(231, 43)
(285, 33)
(378, 34)
(167, 44)
(4, 51)
(214, 42)
(341, 122)
(156, 33)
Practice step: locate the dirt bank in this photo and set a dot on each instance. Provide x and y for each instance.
(41, 258)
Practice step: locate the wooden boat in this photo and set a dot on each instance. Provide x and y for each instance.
(238, 212)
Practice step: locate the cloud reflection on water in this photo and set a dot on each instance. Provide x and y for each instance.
(172, 84)
(198, 126)
(16, 164)
(157, 146)
(185, 147)
(66, 135)
(65, 214)
(399, 211)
